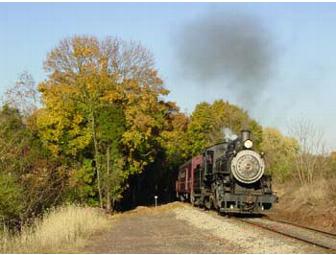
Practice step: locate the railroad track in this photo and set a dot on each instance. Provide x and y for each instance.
(306, 234)
(301, 226)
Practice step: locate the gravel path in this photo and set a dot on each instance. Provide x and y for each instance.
(180, 228)
(152, 232)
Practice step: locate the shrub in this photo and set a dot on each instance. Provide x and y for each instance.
(60, 228)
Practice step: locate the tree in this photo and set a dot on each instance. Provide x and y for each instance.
(174, 137)
(88, 77)
(31, 180)
(312, 158)
(280, 153)
(331, 173)
(11, 198)
(110, 128)
(200, 128)
(208, 122)
(23, 95)
(13, 141)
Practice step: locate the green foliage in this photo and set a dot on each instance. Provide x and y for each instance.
(200, 128)
(173, 138)
(11, 197)
(330, 172)
(82, 186)
(13, 140)
(26, 168)
(110, 125)
(280, 153)
(110, 128)
(209, 120)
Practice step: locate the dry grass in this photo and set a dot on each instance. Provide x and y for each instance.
(60, 229)
(311, 204)
(320, 193)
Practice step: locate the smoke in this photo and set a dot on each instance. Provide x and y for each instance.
(224, 50)
(228, 134)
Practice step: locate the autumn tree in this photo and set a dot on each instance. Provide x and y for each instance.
(110, 128)
(12, 142)
(280, 153)
(200, 128)
(88, 77)
(174, 136)
(31, 179)
(158, 177)
(208, 122)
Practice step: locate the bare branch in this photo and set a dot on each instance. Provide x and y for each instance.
(23, 95)
(312, 157)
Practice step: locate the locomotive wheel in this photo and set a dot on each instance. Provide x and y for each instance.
(213, 202)
(207, 203)
(192, 200)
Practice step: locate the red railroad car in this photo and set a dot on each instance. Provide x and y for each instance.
(189, 178)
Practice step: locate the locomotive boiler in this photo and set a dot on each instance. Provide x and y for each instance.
(228, 176)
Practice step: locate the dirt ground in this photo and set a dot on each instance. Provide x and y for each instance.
(180, 228)
(150, 231)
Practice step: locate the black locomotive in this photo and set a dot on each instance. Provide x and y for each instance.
(229, 177)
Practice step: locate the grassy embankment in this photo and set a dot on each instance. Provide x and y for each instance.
(59, 229)
(310, 204)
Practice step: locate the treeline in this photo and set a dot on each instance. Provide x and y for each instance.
(103, 134)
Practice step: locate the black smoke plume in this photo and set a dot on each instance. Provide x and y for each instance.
(223, 50)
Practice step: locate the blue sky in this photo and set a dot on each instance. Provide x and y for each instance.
(302, 84)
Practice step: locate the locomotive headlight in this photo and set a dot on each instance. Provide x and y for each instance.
(248, 144)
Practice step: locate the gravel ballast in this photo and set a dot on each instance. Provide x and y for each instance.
(247, 238)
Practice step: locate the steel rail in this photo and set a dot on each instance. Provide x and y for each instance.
(291, 235)
(284, 233)
(301, 226)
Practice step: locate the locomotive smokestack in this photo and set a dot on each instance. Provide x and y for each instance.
(245, 135)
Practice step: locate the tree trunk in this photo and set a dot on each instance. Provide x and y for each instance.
(96, 158)
(108, 196)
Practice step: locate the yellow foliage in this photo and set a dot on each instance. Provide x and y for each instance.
(280, 152)
(86, 74)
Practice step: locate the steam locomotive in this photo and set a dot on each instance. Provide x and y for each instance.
(228, 176)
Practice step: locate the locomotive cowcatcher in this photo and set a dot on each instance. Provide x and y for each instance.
(228, 176)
